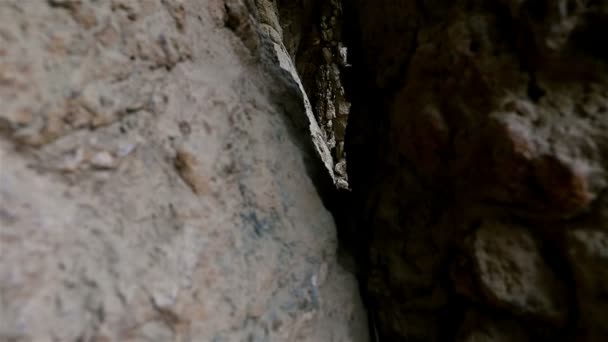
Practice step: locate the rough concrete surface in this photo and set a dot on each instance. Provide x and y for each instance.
(151, 185)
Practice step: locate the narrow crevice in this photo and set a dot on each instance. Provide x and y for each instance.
(317, 35)
(427, 86)
(315, 57)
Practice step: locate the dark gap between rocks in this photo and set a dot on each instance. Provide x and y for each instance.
(321, 37)
(467, 216)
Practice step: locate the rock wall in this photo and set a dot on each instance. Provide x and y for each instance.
(161, 165)
(477, 153)
(309, 33)
(157, 180)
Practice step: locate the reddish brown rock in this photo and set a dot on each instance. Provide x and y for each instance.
(565, 184)
(496, 112)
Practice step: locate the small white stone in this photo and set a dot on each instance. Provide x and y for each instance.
(103, 160)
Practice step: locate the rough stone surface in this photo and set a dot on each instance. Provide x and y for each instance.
(471, 112)
(479, 327)
(308, 38)
(159, 180)
(588, 255)
(272, 27)
(513, 274)
(154, 182)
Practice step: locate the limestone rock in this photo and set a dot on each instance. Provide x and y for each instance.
(152, 188)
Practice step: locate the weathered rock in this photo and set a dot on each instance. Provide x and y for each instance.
(151, 185)
(309, 43)
(159, 182)
(492, 112)
(478, 327)
(587, 252)
(268, 12)
(512, 273)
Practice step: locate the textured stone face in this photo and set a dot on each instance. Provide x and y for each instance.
(480, 328)
(513, 274)
(152, 184)
(588, 255)
(479, 112)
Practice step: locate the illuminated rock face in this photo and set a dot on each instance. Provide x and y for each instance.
(157, 180)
